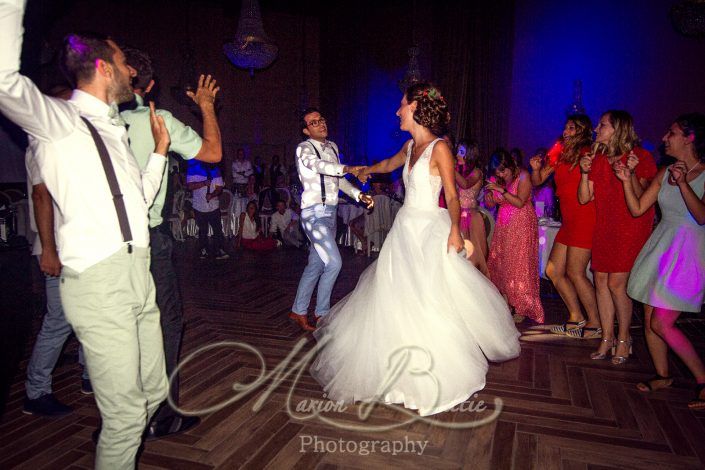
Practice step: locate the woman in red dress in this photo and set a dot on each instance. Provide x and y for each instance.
(618, 236)
(571, 251)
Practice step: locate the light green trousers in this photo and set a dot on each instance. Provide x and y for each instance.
(112, 309)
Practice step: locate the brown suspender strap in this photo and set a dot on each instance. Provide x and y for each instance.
(113, 183)
(323, 182)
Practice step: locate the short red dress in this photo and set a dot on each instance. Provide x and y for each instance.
(578, 219)
(618, 236)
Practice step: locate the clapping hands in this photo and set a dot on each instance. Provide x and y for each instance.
(678, 172)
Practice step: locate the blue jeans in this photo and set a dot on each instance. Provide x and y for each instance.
(49, 343)
(324, 261)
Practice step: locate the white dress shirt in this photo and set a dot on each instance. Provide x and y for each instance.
(68, 158)
(198, 196)
(242, 171)
(310, 169)
(281, 221)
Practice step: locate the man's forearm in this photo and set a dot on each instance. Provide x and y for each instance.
(44, 217)
(212, 147)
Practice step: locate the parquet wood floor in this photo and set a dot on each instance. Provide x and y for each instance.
(561, 410)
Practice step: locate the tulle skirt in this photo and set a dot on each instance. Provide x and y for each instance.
(419, 327)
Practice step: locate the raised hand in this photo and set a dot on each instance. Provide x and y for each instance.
(678, 172)
(586, 163)
(206, 91)
(632, 161)
(367, 200)
(622, 172)
(536, 163)
(159, 131)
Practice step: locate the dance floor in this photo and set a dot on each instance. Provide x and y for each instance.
(556, 408)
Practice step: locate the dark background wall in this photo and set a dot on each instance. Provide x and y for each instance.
(506, 67)
(626, 53)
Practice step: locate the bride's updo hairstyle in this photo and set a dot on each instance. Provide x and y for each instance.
(431, 108)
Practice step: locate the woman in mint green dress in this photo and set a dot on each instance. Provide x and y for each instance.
(668, 276)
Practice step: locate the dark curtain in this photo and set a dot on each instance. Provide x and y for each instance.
(466, 49)
(472, 52)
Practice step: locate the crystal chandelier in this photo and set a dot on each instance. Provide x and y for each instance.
(251, 49)
(688, 17)
(412, 74)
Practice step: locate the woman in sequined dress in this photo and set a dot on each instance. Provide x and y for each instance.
(468, 177)
(513, 260)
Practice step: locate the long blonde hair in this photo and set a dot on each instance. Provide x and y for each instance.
(624, 138)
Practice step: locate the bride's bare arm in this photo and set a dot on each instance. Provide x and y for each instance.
(391, 163)
(442, 159)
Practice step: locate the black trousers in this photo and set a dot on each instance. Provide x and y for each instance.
(169, 301)
(203, 220)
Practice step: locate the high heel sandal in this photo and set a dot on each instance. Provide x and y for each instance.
(699, 403)
(598, 356)
(617, 360)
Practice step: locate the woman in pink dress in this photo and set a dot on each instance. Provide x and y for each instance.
(514, 253)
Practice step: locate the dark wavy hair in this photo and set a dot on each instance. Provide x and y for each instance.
(431, 108)
(582, 138)
(502, 159)
(142, 63)
(694, 124)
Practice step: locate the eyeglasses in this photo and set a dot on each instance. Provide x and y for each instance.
(316, 122)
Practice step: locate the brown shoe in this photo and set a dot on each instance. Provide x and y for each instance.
(301, 321)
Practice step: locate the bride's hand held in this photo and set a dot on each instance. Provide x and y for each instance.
(455, 241)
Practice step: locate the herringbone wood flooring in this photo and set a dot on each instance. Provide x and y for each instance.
(560, 409)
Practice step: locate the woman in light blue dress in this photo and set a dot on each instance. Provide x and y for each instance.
(668, 276)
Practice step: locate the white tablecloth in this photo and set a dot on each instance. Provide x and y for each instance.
(547, 236)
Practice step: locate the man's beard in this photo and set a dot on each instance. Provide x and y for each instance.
(122, 93)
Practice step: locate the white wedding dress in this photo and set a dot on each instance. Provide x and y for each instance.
(427, 314)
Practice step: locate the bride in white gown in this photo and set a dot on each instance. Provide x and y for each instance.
(422, 322)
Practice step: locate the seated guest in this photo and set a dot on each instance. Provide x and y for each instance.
(250, 233)
(284, 226)
(206, 184)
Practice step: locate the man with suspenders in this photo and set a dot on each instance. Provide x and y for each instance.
(321, 175)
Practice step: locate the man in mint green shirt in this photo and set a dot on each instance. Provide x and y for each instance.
(186, 142)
